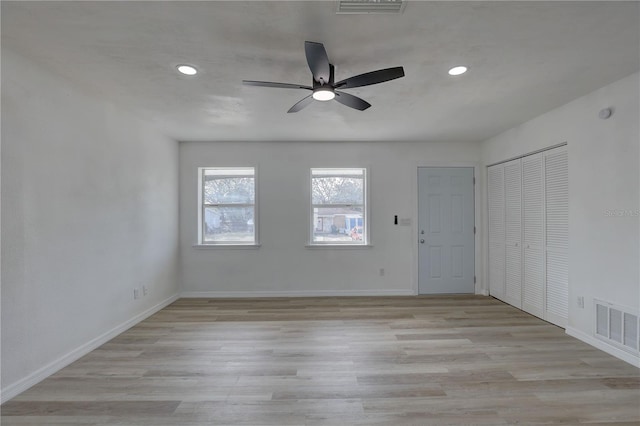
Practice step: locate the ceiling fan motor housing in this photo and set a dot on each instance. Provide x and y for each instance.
(316, 84)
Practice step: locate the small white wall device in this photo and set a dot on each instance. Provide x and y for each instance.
(605, 113)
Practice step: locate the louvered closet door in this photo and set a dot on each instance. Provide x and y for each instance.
(513, 232)
(533, 236)
(496, 231)
(557, 238)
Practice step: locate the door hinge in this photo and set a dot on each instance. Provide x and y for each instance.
(474, 230)
(474, 180)
(474, 279)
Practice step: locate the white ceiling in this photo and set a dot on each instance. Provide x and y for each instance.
(525, 58)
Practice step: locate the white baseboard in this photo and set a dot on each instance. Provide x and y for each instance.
(37, 376)
(603, 346)
(294, 293)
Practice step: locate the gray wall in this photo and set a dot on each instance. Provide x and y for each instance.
(89, 211)
(604, 164)
(284, 265)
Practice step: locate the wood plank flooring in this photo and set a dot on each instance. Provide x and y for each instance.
(454, 360)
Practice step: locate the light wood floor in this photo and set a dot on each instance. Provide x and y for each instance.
(457, 360)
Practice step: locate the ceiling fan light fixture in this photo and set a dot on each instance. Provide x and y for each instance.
(187, 69)
(323, 93)
(323, 86)
(461, 69)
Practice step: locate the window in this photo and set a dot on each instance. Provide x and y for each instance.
(338, 205)
(228, 206)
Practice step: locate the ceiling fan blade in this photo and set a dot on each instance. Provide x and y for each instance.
(318, 61)
(352, 101)
(276, 85)
(301, 104)
(373, 77)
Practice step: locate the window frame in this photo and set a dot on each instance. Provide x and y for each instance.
(366, 216)
(202, 207)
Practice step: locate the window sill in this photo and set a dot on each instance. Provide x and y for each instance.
(226, 246)
(339, 246)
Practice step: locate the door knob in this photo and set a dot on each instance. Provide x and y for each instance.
(421, 241)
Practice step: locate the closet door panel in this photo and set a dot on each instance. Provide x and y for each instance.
(513, 232)
(533, 213)
(557, 235)
(496, 231)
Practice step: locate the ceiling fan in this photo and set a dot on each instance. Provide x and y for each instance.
(324, 87)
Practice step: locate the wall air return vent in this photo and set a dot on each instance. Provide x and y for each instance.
(617, 326)
(371, 6)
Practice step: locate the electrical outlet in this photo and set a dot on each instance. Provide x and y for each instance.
(145, 290)
(581, 302)
(382, 272)
(136, 293)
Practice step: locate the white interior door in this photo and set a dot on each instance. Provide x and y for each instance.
(513, 232)
(495, 179)
(557, 237)
(446, 230)
(533, 236)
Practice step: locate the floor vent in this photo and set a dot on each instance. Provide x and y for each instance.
(618, 326)
(371, 6)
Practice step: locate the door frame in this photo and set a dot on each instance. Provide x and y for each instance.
(477, 213)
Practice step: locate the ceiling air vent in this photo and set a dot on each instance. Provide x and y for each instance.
(371, 6)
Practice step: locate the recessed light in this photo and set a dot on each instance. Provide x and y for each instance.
(458, 70)
(187, 69)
